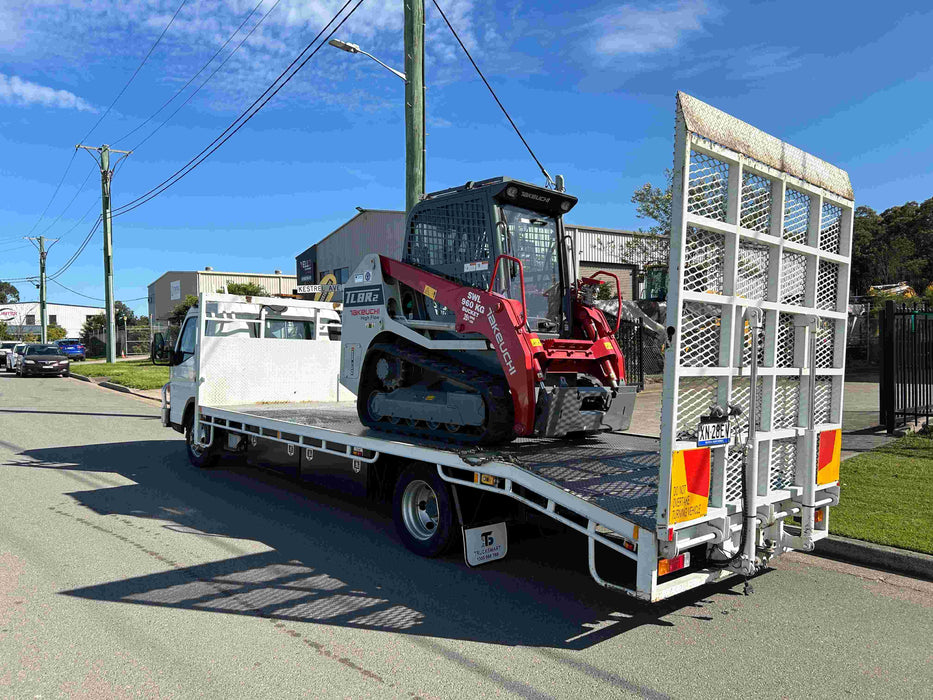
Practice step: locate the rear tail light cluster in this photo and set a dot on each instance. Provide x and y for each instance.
(669, 566)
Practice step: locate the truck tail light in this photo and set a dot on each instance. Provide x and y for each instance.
(669, 566)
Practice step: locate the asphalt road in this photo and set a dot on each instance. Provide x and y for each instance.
(126, 572)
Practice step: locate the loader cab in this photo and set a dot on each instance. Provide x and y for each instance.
(461, 232)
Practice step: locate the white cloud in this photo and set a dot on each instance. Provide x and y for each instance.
(631, 30)
(15, 90)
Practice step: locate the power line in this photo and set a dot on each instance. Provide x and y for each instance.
(54, 194)
(245, 116)
(492, 92)
(76, 292)
(135, 73)
(191, 80)
(77, 253)
(208, 79)
(76, 224)
(70, 202)
(94, 298)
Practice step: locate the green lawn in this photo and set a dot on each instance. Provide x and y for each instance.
(887, 496)
(135, 374)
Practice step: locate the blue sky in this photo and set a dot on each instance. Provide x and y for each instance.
(591, 84)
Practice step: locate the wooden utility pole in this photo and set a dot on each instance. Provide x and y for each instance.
(106, 175)
(414, 102)
(43, 302)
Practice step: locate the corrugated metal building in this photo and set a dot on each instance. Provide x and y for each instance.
(171, 288)
(339, 252)
(637, 258)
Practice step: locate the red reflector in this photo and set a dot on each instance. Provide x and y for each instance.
(668, 566)
(670, 534)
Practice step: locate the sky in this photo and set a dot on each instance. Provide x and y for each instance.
(590, 84)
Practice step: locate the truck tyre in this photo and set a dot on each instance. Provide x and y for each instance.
(198, 456)
(422, 508)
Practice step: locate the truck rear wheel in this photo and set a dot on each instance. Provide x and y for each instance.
(422, 508)
(200, 457)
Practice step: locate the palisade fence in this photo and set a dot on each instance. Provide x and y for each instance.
(906, 364)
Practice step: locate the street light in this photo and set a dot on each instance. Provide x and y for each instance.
(353, 48)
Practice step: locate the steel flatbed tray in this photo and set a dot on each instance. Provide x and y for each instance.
(614, 472)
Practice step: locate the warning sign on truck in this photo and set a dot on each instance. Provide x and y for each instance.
(690, 474)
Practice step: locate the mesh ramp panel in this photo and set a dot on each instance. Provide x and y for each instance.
(796, 215)
(708, 193)
(756, 202)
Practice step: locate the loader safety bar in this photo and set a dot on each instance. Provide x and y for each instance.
(521, 277)
(618, 293)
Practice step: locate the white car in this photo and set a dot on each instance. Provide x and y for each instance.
(14, 357)
(5, 347)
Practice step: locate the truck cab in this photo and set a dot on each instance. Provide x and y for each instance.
(247, 334)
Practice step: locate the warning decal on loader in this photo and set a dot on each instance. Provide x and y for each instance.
(690, 476)
(827, 459)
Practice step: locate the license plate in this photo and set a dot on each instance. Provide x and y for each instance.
(713, 432)
(484, 544)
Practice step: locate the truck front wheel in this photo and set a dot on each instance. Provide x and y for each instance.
(423, 512)
(201, 457)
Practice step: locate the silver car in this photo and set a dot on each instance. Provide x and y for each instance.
(14, 357)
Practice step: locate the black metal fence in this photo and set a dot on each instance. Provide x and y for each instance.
(631, 339)
(906, 364)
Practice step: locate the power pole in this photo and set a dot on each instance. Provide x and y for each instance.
(414, 102)
(43, 302)
(106, 175)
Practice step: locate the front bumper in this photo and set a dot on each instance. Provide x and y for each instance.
(40, 370)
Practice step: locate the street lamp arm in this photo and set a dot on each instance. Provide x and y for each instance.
(388, 68)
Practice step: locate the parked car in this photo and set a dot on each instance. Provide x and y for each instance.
(40, 360)
(14, 357)
(73, 348)
(5, 348)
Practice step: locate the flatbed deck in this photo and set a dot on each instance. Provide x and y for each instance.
(613, 471)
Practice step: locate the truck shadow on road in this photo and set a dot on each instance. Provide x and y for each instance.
(331, 560)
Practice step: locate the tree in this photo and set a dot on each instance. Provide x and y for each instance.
(245, 289)
(55, 332)
(8, 293)
(121, 310)
(180, 311)
(5, 331)
(654, 203)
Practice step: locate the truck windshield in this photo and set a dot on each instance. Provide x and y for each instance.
(533, 240)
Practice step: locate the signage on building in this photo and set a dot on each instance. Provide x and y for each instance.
(175, 290)
(7, 314)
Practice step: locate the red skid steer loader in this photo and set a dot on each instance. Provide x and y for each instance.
(482, 334)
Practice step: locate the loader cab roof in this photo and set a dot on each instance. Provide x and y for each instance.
(505, 190)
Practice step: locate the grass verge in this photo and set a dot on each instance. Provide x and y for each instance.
(886, 496)
(135, 374)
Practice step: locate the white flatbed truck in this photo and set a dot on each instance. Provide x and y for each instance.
(760, 249)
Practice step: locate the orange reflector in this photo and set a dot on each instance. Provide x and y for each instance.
(669, 566)
(818, 515)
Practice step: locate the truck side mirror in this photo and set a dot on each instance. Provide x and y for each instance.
(158, 353)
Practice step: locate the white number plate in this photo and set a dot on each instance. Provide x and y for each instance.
(482, 545)
(713, 433)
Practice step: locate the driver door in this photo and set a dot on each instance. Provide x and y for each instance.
(184, 369)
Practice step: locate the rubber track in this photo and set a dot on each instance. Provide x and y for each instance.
(500, 411)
